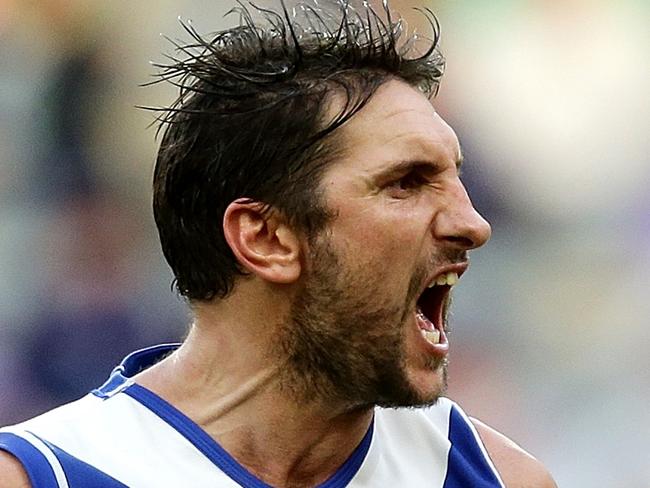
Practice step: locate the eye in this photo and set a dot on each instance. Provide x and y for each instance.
(407, 184)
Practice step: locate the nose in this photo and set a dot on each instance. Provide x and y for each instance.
(459, 223)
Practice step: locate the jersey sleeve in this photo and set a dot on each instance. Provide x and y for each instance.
(48, 466)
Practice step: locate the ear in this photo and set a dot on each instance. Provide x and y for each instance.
(263, 243)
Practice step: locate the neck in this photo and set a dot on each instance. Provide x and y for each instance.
(225, 379)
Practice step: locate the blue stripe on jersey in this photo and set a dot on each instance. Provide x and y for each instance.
(220, 457)
(466, 465)
(38, 468)
(81, 474)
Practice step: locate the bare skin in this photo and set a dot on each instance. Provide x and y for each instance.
(12, 474)
(517, 468)
(224, 376)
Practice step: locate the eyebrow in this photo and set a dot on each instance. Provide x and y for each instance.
(404, 167)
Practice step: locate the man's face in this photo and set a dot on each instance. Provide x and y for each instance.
(366, 326)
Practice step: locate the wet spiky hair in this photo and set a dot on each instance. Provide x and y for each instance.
(251, 122)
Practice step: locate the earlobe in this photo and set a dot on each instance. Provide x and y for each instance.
(263, 243)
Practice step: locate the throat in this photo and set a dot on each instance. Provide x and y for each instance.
(305, 452)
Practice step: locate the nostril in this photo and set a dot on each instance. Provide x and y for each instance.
(465, 242)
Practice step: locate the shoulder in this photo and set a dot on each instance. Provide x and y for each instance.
(12, 474)
(517, 468)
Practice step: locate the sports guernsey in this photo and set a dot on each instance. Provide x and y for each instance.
(123, 435)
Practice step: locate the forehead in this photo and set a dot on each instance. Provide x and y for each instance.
(398, 124)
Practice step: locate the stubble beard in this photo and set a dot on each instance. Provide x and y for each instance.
(344, 346)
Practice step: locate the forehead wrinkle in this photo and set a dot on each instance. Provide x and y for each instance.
(434, 149)
(432, 133)
(402, 111)
(421, 150)
(427, 116)
(421, 134)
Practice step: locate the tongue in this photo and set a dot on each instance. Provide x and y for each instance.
(423, 322)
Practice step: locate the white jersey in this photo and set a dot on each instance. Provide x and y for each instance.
(124, 435)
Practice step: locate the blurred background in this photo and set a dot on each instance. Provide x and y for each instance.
(551, 102)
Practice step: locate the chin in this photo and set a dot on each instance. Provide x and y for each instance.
(420, 388)
(429, 384)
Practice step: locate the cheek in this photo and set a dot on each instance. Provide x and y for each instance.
(384, 262)
(384, 238)
(396, 246)
(370, 249)
(387, 226)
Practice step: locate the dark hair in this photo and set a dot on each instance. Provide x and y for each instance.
(251, 121)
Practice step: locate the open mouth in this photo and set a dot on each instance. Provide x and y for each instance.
(431, 308)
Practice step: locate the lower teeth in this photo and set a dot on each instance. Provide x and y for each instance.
(432, 336)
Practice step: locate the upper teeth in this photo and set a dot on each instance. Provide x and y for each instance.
(445, 279)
